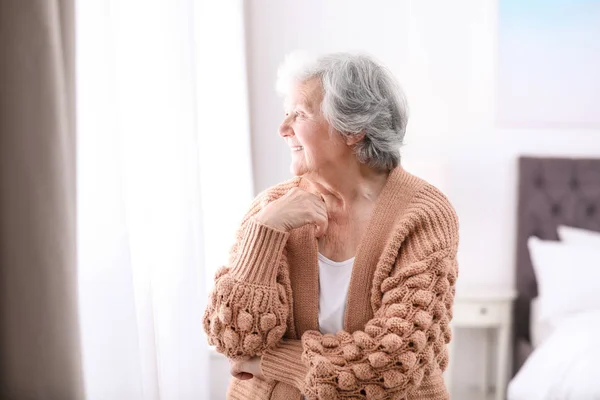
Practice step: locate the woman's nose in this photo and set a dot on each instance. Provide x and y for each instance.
(285, 129)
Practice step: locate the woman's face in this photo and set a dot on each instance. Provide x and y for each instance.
(314, 148)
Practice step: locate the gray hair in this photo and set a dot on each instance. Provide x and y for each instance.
(359, 96)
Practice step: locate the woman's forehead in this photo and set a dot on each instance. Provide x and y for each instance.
(308, 94)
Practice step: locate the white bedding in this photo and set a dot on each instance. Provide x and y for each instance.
(539, 328)
(566, 366)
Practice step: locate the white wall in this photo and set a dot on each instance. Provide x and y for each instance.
(445, 55)
(442, 53)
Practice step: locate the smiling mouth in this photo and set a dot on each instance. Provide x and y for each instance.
(297, 148)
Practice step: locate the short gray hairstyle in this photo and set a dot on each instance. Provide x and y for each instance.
(359, 96)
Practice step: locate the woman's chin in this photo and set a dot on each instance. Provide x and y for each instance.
(297, 169)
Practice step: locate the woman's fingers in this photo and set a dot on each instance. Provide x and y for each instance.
(321, 218)
(321, 222)
(295, 209)
(317, 212)
(244, 376)
(236, 370)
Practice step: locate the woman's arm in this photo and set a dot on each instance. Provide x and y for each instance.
(405, 340)
(248, 308)
(403, 343)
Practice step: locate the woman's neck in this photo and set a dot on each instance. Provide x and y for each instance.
(343, 188)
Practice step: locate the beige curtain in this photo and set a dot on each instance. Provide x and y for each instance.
(39, 339)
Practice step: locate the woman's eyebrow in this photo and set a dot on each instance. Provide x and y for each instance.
(305, 103)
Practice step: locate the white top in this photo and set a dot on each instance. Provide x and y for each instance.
(334, 281)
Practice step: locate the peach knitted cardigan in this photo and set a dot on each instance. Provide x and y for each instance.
(399, 305)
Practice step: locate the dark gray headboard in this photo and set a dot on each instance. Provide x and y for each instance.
(552, 192)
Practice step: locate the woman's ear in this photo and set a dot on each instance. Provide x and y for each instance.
(351, 140)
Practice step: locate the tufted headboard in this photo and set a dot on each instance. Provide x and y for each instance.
(552, 192)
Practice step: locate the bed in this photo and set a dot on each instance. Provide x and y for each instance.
(554, 194)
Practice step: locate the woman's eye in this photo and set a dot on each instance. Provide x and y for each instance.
(295, 114)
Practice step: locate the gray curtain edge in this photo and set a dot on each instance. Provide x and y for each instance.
(40, 351)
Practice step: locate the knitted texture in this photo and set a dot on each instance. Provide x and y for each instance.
(401, 294)
(397, 348)
(248, 310)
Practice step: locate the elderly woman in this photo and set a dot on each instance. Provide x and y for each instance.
(341, 282)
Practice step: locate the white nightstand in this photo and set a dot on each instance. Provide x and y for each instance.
(489, 310)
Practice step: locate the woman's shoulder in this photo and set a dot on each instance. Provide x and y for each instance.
(428, 213)
(270, 194)
(276, 191)
(419, 197)
(263, 198)
(430, 200)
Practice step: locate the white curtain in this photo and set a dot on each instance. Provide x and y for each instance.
(164, 175)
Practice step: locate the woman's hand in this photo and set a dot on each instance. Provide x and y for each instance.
(246, 369)
(295, 209)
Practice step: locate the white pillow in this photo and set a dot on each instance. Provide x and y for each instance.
(568, 277)
(584, 237)
(540, 329)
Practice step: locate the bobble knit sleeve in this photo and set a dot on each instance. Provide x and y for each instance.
(248, 308)
(404, 342)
